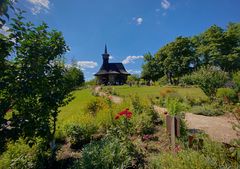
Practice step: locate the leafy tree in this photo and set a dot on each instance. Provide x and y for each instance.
(33, 84)
(208, 78)
(152, 69)
(74, 77)
(230, 60)
(210, 45)
(176, 58)
(4, 6)
(133, 79)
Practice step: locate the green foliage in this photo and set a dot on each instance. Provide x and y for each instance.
(226, 95)
(184, 159)
(20, 156)
(92, 82)
(236, 80)
(151, 70)
(133, 79)
(207, 110)
(212, 155)
(202, 78)
(4, 12)
(174, 106)
(109, 90)
(96, 105)
(143, 124)
(107, 153)
(175, 58)
(74, 77)
(80, 134)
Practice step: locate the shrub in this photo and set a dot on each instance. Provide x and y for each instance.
(143, 124)
(80, 134)
(184, 159)
(206, 110)
(95, 106)
(209, 79)
(20, 156)
(107, 153)
(226, 95)
(236, 80)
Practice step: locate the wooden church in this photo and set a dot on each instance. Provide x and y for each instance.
(111, 73)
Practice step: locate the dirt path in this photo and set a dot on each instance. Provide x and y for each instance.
(219, 128)
(114, 99)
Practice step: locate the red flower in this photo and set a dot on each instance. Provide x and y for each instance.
(125, 113)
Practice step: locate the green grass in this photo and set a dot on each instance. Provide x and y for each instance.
(73, 112)
(153, 91)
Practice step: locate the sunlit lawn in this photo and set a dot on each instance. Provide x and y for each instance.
(74, 110)
(153, 91)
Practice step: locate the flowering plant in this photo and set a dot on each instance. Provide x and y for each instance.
(126, 113)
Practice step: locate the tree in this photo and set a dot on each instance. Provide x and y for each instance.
(74, 77)
(208, 78)
(4, 6)
(230, 60)
(133, 79)
(152, 69)
(176, 58)
(33, 84)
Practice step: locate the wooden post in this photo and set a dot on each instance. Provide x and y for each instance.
(173, 134)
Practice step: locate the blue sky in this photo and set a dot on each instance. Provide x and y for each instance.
(130, 28)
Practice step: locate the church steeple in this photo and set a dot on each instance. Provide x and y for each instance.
(106, 49)
(105, 56)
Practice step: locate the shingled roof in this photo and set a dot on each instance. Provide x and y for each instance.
(112, 68)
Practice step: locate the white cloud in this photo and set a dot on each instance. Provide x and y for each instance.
(134, 71)
(131, 59)
(138, 20)
(157, 10)
(39, 5)
(4, 30)
(165, 4)
(87, 64)
(111, 57)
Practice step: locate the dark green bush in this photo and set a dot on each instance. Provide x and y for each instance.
(206, 110)
(226, 95)
(80, 134)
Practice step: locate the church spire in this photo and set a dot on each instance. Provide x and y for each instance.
(105, 49)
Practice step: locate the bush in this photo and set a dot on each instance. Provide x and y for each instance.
(236, 80)
(142, 124)
(212, 155)
(209, 79)
(107, 153)
(184, 159)
(80, 134)
(95, 106)
(20, 156)
(226, 95)
(206, 110)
